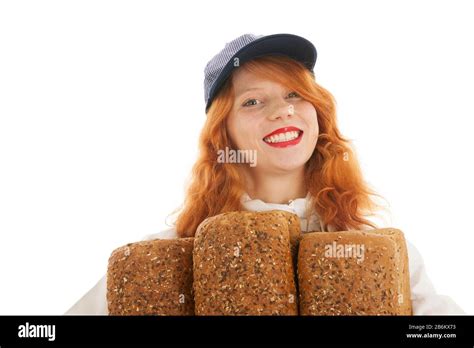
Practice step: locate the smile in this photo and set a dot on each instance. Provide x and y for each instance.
(284, 137)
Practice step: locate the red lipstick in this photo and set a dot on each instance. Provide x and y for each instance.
(280, 144)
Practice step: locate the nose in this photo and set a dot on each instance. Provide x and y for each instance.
(281, 109)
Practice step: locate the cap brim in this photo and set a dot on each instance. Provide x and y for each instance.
(290, 45)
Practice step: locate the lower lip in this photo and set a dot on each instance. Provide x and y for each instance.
(286, 143)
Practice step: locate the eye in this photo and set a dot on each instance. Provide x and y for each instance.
(250, 100)
(296, 95)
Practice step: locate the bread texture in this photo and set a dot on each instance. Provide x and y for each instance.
(243, 264)
(151, 278)
(354, 273)
(259, 263)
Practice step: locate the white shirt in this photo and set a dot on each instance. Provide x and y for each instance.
(424, 298)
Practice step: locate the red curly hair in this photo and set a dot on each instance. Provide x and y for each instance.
(338, 193)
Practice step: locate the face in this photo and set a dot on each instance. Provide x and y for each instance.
(273, 120)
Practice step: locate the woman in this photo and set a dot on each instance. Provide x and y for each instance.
(262, 102)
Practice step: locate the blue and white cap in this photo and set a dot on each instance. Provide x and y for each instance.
(247, 47)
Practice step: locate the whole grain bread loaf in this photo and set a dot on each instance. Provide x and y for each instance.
(243, 264)
(151, 278)
(354, 273)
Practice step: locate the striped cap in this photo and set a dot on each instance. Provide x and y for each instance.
(247, 47)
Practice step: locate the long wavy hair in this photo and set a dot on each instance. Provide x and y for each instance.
(338, 193)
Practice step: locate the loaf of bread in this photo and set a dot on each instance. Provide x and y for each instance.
(294, 229)
(354, 273)
(243, 265)
(151, 278)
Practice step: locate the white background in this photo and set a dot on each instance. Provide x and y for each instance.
(101, 104)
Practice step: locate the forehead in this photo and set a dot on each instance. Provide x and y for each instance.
(243, 79)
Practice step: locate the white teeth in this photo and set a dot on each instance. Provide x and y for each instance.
(282, 137)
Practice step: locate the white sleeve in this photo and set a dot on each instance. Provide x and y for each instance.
(425, 300)
(94, 302)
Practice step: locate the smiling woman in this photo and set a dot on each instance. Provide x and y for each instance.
(273, 105)
(263, 102)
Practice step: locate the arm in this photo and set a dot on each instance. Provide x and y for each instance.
(94, 302)
(424, 298)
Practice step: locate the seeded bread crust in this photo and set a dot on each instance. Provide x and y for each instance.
(243, 264)
(334, 285)
(399, 238)
(151, 278)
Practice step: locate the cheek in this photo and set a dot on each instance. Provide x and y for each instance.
(311, 117)
(231, 130)
(241, 132)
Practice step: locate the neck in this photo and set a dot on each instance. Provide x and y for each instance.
(276, 188)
